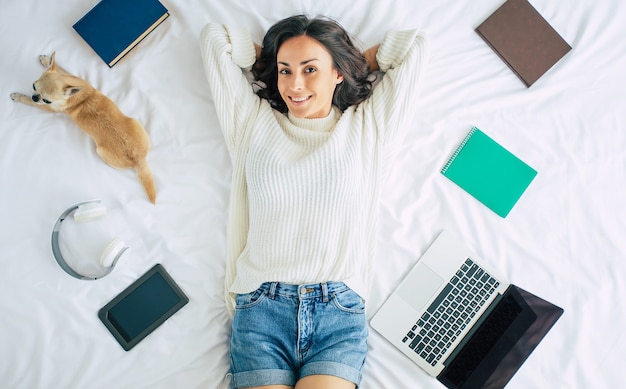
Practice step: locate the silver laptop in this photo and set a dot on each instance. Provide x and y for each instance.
(460, 321)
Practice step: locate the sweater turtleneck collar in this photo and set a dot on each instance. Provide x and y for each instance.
(320, 124)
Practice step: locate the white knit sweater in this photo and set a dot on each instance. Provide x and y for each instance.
(304, 196)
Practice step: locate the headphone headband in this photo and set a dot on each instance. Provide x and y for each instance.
(56, 250)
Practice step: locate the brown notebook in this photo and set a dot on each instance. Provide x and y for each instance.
(523, 39)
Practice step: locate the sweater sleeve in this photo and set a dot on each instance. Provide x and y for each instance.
(226, 52)
(401, 57)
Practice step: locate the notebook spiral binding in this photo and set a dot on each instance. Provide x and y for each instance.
(458, 150)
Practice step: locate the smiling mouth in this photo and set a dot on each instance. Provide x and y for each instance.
(298, 100)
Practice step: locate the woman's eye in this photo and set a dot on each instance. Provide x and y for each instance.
(309, 70)
(284, 71)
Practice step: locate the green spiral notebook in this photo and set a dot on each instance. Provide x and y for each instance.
(489, 172)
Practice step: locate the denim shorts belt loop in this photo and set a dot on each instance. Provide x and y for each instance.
(283, 332)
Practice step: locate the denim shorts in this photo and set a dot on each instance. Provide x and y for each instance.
(284, 332)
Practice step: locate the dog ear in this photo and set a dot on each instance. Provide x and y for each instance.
(71, 90)
(52, 60)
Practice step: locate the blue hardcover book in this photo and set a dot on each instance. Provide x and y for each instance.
(113, 27)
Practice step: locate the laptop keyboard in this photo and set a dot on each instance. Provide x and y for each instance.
(451, 312)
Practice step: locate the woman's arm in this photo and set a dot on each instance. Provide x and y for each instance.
(401, 57)
(370, 56)
(225, 52)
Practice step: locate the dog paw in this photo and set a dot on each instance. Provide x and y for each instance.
(44, 60)
(19, 97)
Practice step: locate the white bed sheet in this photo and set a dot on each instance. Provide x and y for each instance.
(563, 240)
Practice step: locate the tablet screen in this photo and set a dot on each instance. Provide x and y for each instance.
(142, 307)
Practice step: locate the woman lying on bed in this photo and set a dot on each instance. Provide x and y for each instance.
(309, 150)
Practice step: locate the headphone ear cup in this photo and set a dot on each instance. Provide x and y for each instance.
(89, 211)
(112, 252)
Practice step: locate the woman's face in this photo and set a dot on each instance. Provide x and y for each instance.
(306, 77)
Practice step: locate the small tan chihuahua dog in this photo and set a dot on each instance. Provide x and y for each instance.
(121, 142)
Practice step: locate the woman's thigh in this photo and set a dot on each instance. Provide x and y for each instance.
(324, 381)
(271, 387)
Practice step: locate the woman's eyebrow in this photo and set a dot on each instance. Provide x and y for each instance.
(301, 63)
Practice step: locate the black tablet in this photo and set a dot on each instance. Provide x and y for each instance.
(142, 307)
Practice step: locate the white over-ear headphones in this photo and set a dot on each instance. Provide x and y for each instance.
(85, 211)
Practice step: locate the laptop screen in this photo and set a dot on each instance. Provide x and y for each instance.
(502, 342)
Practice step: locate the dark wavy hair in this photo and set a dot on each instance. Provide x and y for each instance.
(347, 59)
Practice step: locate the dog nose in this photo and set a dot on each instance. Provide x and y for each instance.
(36, 97)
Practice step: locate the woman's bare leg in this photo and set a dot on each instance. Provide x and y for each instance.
(324, 382)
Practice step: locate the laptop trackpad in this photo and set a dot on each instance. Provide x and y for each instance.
(419, 286)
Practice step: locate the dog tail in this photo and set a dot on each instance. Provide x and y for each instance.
(146, 179)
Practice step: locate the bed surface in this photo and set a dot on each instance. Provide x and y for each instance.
(563, 240)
